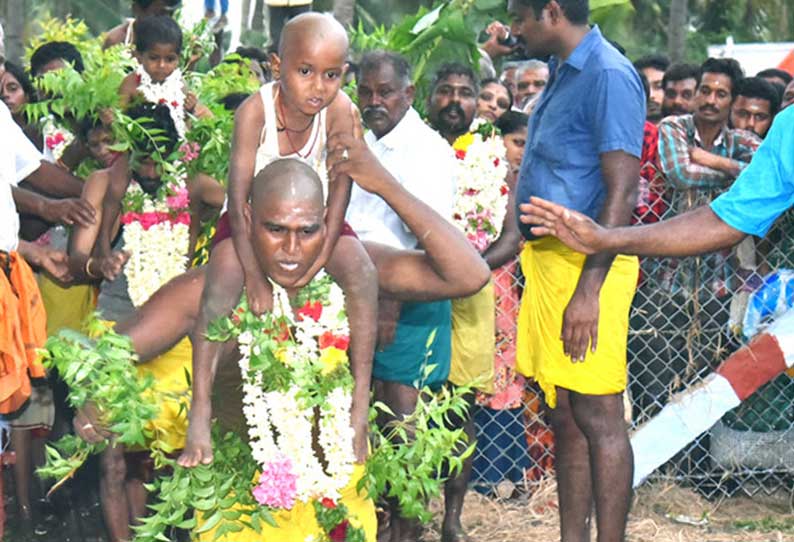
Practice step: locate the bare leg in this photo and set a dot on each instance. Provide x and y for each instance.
(136, 499)
(355, 273)
(600, 418)
(456, 486)
(572, 466)
(224, 286)
(21, 440)
(401, 399)
(113, 495)
(168, 316)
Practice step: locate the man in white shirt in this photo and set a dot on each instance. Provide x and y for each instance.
(17, 284)
(408, 148)
(424, 164)
(19, 160)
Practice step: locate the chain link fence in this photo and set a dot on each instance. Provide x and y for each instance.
(688, 315)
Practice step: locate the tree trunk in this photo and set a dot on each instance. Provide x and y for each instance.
(677, 30)
(245, 18)
(258, 24)
(14, 29)
(344, 11)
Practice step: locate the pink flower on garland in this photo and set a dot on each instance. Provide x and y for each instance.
(54, 140)
(277, 485)
(180, 200)
(181, 218)
(191, 150)
(147, 220)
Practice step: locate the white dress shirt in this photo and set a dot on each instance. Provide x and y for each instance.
(423, 163)
(18, 159)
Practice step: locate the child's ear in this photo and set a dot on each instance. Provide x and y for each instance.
(137, 55)
(275, 65)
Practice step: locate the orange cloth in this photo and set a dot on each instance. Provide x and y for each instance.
(23, 329)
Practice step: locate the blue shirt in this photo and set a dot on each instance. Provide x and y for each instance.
(592, 104)
(765, 189)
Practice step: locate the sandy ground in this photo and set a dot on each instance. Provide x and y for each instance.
(661, 513)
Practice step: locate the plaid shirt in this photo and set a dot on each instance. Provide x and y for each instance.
(678, 134)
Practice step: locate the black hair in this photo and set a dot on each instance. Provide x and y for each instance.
(24, 81)
(233, 100)
(453, 68)
(511, 122)
(56, 50)
(576, 11)
(680, 72)
(144, 4)
(656, 61)
(252, 53)
(88, 124)
(490, 80)
(372, 60)
(757, 87)
(725, 66)
(646, 86)
(150, 31)
(155, 116)
(775, 72)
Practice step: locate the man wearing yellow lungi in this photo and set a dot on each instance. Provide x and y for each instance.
(451, 108)
(583, 146)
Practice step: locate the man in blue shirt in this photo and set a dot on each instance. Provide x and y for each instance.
(583, 147)
(762, 192)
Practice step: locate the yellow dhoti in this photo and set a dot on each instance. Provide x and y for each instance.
(552, 272)
(300, 525)
(67, 308)
(474, 340)
(172, 390)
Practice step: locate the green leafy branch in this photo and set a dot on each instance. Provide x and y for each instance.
(83, 95)
(413, 455)
(206, 497)
(430, 38)
(100, 370)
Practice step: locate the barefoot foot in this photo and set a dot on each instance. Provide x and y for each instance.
(198, 445)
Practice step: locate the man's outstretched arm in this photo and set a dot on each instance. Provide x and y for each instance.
(447, 268)
(763, 191)
(694, 232)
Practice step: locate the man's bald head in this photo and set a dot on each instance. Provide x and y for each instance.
(287, 179)
(318, 27)
(286, 220)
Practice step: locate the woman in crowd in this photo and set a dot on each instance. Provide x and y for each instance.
(494, 100)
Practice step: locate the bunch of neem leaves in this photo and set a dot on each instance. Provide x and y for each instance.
(67, 93)
(218, 494)
(100, 369)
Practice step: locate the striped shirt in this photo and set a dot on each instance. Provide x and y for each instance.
(676, 136)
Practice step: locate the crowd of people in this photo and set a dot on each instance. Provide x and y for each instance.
(369, 194)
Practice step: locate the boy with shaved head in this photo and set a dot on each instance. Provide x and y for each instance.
(290, 118)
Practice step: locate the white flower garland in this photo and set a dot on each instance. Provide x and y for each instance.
(170, 92)
(157, 238)
(56, 138)
(482, 194)
(288, 415)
